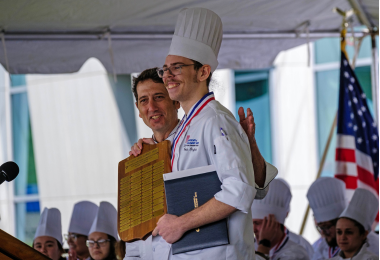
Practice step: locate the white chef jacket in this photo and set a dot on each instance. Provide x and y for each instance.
(288, 250)
(325, 252)
(317, 243)
(364, 254)
(300, 240)
(234, 166)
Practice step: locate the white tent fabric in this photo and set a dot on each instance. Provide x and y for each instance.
(43, 36)
(77, 136)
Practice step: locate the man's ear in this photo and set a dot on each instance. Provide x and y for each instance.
(204, 72)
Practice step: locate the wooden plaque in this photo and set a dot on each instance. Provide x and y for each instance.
(141, 193)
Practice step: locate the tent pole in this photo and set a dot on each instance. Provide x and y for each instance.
(322, 162)
(375, 79)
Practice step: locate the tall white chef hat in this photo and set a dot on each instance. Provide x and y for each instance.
(198, 36)
(276, 202)
(84, 213)
(363, 208)
(287, 185)
(327, 198)
(106, 220)
(50, 224)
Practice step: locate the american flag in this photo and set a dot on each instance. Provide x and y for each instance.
(357, 151)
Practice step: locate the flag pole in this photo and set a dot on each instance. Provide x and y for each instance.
(320, 167)
(375, 79)
(323, 159)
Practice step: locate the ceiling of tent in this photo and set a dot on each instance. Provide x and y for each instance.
(44, 36)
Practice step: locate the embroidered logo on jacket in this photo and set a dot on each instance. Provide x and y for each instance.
(191, 145)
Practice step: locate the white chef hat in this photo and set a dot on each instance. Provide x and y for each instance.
(276, 202)
(287, 185)
(50, 224)
(363, 208)
(198, 36)
(84, 213)
(105, 220)
(327, 198)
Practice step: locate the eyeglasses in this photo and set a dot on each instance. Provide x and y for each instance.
(325, 229)
(174, 70)
(100, 243)
(72, 236)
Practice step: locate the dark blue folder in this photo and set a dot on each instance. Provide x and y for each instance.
(182, 196)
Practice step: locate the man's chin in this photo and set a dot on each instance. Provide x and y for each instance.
(331, 242)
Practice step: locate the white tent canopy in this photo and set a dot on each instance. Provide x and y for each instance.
(43, 36)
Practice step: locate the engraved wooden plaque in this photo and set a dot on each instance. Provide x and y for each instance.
(141, 193)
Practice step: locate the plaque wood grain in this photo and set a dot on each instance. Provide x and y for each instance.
(141, 193)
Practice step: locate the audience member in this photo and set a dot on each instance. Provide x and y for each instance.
(81, 220)
(48, 237)
(353, 225)
(103, 236)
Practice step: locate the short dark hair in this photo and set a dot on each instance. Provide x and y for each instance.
(197, 66)
(145, 75)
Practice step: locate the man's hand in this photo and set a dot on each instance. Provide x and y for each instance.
(248, 124)
(269, 229)
(72, 255)
(258, 162)
(170, 228)
(137, 147)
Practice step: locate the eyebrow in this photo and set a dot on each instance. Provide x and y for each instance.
(171, 64)
(158, 93)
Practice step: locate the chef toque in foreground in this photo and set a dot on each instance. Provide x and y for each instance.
(276, 202)
(83, 215)
(50, 224)
(198, 36)
(363, 208)
(327, 198)
(105, 220)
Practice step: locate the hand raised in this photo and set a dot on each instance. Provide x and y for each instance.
(269, 229)
(248, 123)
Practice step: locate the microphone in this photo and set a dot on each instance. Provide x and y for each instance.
(8, 171)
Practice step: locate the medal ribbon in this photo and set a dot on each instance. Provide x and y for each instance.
(184, 123)
(333, 252)
(281, 244)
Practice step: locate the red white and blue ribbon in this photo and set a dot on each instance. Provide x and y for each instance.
(280, 245)
(197, 108)
(333, 251)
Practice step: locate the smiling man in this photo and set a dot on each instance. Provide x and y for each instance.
(222, 142)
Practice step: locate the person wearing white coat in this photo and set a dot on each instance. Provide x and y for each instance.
(150, 88)
(327, 199)
(102, 236)
(298, 239)
(83, 215)
(48, 237)
(268, 217)
(218, 138)
(353, 225)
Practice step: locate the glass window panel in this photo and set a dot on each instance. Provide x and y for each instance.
(27, 218)
(327, 88)
(255, 95)
(328, 49)
(26, 181)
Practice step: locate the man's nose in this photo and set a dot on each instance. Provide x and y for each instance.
(152, 105)
(44, 249)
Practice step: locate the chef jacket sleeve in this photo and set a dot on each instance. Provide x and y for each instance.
(231, 155)
(271, 173)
